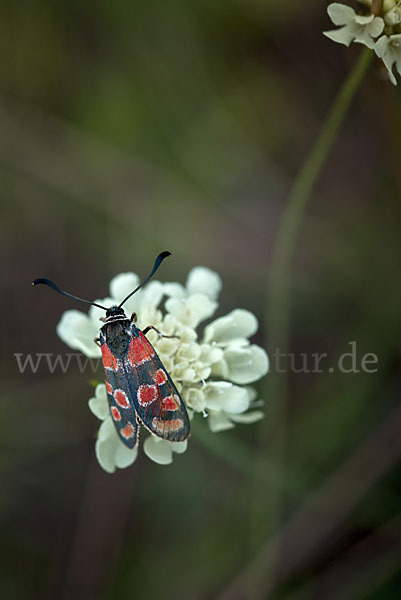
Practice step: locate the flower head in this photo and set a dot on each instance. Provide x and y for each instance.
(365, 28)
(212, 370)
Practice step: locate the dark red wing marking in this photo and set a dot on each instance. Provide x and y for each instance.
(119, 397)
(157, 402)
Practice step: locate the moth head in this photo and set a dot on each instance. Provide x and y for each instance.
(114, 311)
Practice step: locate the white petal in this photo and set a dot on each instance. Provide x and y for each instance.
(363, 33)
(340, 14)
(168, 364)
(237, 400)
(186, 335)
(381, 46)
(190, 352)
(179, 447)
(341, 36)
(365, 19)
(365, 39)
(398, 64)
(99, 404)
(384, 50)
(249, 417)
(252, 393)
(123, 284)
(220, 369)
(166, 346)
(246, 365)
(202, 280)
(181, 365)
(160, 451)
(78, 331)
(239, 323)
(174, 290)
(376, 27)
(189, 375)
(202, 372)
(148, 315)
(124, 457)
(195, 399)
(192, 310)
(105, 446)
(168, 325)
(108, 448)
(222, 395)
(390, 73)
(149, 296)
(219, 422)
(239, 343)
(210, 354)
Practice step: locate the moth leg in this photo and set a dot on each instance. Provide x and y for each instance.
(103, 319)
(97, 342)
(133, 318)
(149, 327)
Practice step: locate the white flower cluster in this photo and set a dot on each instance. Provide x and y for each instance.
(211, 373)
(380, 33)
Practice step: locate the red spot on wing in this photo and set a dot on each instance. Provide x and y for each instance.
(121, 398)
(109, 360)
(169, 403)
(109, 388)
(146, 394)
(116, 413)
(160, 377)
(128, 431)
(147, 345)
(163, 426)
(140, 350)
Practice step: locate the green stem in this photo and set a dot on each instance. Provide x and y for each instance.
(274, 432)
(279, 288)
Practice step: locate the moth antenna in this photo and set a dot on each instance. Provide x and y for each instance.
(157, 264)
(53, 286)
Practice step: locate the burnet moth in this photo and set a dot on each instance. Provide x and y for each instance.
(139, 389)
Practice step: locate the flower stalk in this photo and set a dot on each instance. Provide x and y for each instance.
(376, 7)
(279, 282)
(279, 292)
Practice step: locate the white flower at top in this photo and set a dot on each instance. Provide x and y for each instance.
(354, 28)
(367, 30)
(212, 371)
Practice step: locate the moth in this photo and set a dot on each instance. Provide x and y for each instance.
(140, 391)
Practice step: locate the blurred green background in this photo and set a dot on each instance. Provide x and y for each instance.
(128, 128)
